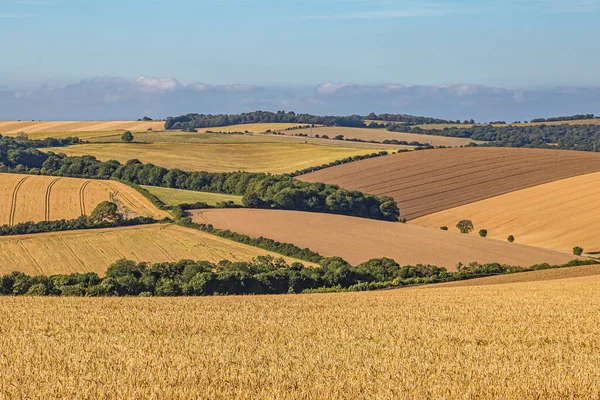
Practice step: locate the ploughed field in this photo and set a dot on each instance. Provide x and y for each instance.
(425, 182)
(380, 135)
(359, 239)
(559, 215)
(38, 198)
(513, 341)
(93, 250)
(276, 158)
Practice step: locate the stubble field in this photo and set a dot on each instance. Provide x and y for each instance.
(513, 341)
(94, 250)
(37, 198)
(425, 182)
(359, 239)
(558, 215)
(37, 129)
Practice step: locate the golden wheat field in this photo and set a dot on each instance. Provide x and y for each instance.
(95, 249)
(48, 198)
(173, 197)
(39, 129)
(558, 215)
(252, 128)
(276, 158)
(537, 340)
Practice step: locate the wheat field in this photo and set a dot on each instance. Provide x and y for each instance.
(276, 158)
(93, 250)
(38, 198)
(41, 129)
(173, 197)
(537, 340)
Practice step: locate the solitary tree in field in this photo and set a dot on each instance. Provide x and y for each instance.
(127, 137)
(106, 211)
(577, 250)
(465, 226)
(511, 238)
(483, 232)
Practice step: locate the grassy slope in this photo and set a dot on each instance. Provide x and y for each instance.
(173, 197)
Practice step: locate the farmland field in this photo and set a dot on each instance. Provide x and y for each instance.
(274, 158)
(252, 128)
(94, 250)
(173, 197)
(513, 341)
(47, 198)
(557, 215)
(425, 182)
(37, 129)
(594, 121)
(359, 239)
(382, 134)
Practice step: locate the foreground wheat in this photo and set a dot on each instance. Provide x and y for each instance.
(523, 340)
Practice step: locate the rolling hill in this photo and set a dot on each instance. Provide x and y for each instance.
(559, 215)
(425, 182)
(358, 239)
(37, 129)
(46, 198)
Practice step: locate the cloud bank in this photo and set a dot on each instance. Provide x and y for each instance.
(119, 98)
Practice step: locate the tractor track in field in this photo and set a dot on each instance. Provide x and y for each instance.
(82, 196)
(47, 199)
(13, 204)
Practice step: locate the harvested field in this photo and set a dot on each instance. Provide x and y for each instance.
(425, 182)
(359, 239)
(584, 272)
(252, 128)
(595, 121)
(47, 198)
(93, 250)
(558, 215)
(380, 135)
(173, 197)
(274, 158)
(519, 341)
(38, 129)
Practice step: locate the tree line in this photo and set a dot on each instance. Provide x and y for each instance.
(584, 137)
(575, 117)
(259, 190)
(263, 275)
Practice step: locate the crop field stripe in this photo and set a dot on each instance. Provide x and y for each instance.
(47, 199)
(82, 196)
(13, 205)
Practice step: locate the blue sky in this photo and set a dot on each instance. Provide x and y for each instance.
(528, 43)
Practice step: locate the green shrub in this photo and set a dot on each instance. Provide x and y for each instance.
(577, 250)
(465, 226)
(444, 228)
(511, 238)
(483, 232)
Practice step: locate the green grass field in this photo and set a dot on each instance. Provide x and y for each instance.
(276, 158)
(173, 197)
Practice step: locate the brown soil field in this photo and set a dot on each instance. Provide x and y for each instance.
(382, 134)
(558, 215)
(425, 182)
(93, 250)
(537, 340)
(13, 127)
(47, 198)
(359, 239)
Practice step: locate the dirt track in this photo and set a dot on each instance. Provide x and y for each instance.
(359, 239)
(425, 182)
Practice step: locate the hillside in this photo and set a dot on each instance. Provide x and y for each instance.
(276, 158)
(559, 215)
(358, 239)
(46, 198)
(37, 129)
(173, 197)
(425, 182)
(95, 249)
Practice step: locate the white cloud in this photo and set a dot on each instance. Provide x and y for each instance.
(157, 85)
(330, 87)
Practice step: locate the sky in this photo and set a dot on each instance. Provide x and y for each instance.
(299, 45)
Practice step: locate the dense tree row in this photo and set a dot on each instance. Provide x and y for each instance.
(259, 190)
(338, 162)
(567, 118)
(569, 137)
(263, 275)
(408, 119)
